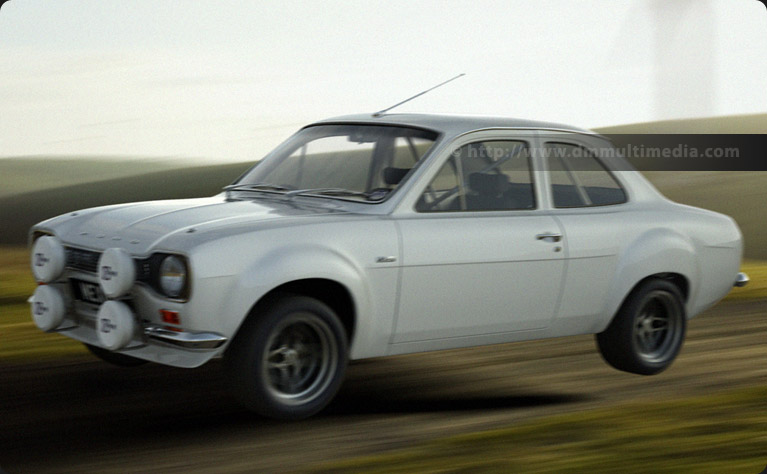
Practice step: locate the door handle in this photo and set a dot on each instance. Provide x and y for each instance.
(549, 236)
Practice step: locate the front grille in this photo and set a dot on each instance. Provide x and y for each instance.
(83, 260)
(88, 261)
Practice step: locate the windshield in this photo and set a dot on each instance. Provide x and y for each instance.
(360, 162)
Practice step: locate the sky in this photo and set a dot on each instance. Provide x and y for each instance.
(229, 80)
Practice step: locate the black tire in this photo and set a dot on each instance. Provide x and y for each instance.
(115, 358)
(288, 361)
(648, 330)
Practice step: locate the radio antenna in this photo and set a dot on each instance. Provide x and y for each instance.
(381, 112)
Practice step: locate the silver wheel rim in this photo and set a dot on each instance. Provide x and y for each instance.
(299, 359)
(657, 326)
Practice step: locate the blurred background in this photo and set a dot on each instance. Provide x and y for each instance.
(96, 93)
(105, 101)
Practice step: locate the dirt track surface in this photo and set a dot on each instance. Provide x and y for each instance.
(85, 416)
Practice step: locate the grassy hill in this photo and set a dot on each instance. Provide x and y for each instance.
(23, 174)
(756, 123)
(18, 212)
(742, 195)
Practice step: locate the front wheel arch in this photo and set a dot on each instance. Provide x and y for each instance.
(330, 292)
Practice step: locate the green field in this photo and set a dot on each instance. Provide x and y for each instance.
(711, 434)
(20, 338)
(714, 434)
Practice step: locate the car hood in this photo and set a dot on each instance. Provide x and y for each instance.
(141, 227)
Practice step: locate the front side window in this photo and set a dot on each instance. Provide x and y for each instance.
(482, 176)
(360, 162)
(578, 179)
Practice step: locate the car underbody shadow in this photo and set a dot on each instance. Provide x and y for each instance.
(73, 408)
(391, 386)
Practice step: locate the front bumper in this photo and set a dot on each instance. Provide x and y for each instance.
(151, 340)
(72, 302)
(182, 349)
(185, 339)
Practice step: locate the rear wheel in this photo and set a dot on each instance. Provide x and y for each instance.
(289, 361)
(115, 358)
(647, 333)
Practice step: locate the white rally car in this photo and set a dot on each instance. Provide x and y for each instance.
(366, 236)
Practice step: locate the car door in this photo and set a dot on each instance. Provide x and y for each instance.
(481, 260)
(590, 204)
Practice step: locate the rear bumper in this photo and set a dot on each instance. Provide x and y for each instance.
(741, 280)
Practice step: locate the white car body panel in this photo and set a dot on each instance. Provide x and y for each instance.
(417, 281)
(505, 281)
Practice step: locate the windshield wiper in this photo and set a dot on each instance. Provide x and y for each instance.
(373, 196)
(256, 187)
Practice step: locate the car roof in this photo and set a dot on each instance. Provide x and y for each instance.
(454, 124)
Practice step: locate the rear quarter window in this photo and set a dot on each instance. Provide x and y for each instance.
(578, 178)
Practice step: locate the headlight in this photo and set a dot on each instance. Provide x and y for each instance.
(173, 276)
(48, 259)
(117, 272)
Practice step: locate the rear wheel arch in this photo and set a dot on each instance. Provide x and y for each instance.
(677, 279)
(657, 253)
(664, 326)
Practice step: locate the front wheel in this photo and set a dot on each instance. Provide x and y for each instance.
(647, 332)
(289, 361)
